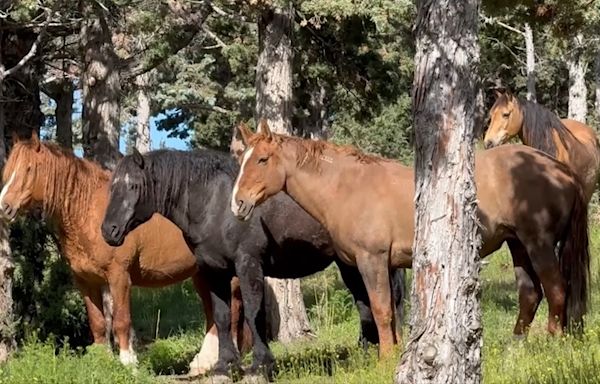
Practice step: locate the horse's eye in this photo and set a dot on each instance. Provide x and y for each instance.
(506, 115)
(263, 160)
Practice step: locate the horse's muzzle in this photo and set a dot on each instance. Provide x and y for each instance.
(9, 211)
(243, 210)
(112, 234)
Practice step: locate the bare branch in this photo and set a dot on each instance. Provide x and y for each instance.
(492, 20)
(207, 107)
(213, 36)
(32, 51)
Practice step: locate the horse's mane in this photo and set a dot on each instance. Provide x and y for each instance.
(69, 182)
(309, 153)
(168, 172)
(538, 125)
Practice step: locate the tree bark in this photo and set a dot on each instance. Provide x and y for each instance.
(446, 335)
(61, 91)
(101, 88)
(597, 77)
(142, 131)
(577, 88)
(286, 313)
(530, 51)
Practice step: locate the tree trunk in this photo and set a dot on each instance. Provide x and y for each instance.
(61, 91)
(597, 77)
(446, 335)
(142, 131)
(286, 313)
(530, 50)
(315, 125)
(577, 89)
(101, 88)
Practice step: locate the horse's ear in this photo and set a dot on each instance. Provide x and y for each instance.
(35, 140)
(263, 128)
(239, 140)
(138, 158)
(15, 137)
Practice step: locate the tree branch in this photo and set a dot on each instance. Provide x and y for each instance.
(32, 51)
(176, 39)
(492, 20)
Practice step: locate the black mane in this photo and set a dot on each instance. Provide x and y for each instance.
(539, 123)
(168, 172)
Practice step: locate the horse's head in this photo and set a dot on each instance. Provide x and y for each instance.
(129, 202)
(20, 177)
(506, 119)
(262, 173)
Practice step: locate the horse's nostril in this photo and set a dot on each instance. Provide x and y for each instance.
(114, 231)
(240, 203)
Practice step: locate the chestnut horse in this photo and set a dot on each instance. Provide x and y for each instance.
(367, 203)
(74, 195)
(569, 141)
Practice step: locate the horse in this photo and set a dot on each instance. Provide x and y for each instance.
(73, 193)
(569, 141)
(367, 204)
(192, 189)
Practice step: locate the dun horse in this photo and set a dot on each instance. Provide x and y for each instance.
(282, 240)
(74, 195)
(367, 203)
(569, 141)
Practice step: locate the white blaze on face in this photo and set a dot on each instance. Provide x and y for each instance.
(5, 188)
(234, 205)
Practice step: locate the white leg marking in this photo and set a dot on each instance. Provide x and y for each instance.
(5, 188)
(207, 357)
(128, 357)
(234, 205)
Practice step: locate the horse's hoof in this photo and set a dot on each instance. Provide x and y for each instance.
(217, 379)
(521, 337)
(254, 379)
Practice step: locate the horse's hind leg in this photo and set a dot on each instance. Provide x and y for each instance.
(375, 272)
(92, 296)
(546, 266)
(354, 282)
(528, 284)
(251, 277)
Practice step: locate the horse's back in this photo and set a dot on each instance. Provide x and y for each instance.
(522, 189)
(584, 158)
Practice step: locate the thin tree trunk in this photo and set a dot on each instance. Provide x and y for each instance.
(577, 89)
(597, 78)
(61, 91)
(315, 125)
(142, 131)
(286, 313)
(445, 341)
(530, 50)
(101, 88)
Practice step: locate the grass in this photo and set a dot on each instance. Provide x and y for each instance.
(169, 325)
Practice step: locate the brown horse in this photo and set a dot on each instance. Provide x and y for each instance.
(367, 203)
(74, 195)
(569, 141)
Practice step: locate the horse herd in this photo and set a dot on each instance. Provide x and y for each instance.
(169, 215)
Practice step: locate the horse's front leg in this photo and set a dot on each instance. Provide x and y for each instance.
(250, 273)
(119, 283)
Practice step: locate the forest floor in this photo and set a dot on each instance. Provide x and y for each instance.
(168, 327)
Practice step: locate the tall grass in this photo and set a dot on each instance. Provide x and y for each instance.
(170, 326)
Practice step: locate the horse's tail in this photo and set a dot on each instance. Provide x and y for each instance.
(398, 286)
(575, 261)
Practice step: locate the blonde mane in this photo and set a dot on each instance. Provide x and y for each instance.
(309, 153)
(68, 182)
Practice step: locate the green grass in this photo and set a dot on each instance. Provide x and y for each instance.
(169, 325)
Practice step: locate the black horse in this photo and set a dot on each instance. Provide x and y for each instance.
(193, 189)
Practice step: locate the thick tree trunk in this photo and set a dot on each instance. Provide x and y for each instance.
(142, 131)
(577, 89)
(286, 313)
(101, 88)
(530, 51)
(61, 91)
(445, 342)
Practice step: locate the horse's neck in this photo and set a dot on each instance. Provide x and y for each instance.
(315, 190)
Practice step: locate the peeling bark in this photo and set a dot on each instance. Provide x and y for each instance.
(142, 127)
(577, 88)
(446, 334)
(286, 313)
